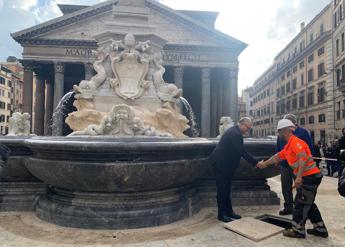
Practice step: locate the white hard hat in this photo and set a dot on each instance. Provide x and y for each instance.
(284, 123)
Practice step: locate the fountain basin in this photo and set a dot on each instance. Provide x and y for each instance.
(118, 183)
(118, 164)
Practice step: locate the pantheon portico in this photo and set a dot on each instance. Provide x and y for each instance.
(198, 58)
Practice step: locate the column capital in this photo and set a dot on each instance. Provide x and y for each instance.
(59, 67)
(39, 71)
(28, 65)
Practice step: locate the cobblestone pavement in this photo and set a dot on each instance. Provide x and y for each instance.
(25, 229)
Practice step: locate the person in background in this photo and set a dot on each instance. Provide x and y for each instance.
(308, 178)
(334, 155)
(328, 155)
(225, 159)
(317, 154)
(286, 172)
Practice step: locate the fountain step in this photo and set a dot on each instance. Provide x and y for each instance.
(20, 196)
(117, 210)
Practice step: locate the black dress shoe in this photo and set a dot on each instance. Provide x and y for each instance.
(234, 216)
(224, 218)
(285, 211)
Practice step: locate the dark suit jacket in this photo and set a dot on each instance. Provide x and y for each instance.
(228, 152)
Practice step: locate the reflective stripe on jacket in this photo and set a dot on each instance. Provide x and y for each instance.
(292, 149)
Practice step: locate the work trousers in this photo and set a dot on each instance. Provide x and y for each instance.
(305, 207)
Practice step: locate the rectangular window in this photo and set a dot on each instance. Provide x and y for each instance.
(321, 69)
(321, 92)
(311, 37)
(302, 79)
(335, 20)
(2, 80)
(342, 42)
(288, 87)
(310, 75)
(301, 99)
(322, 118)
(337, 47)
(294, 69)
(311, 120)
(340, 12)
(288, 73)
(310, 58)
(338, 77)
(342, 74)
(310, 96)
(294, 84)
(321, 51)
(301, 64)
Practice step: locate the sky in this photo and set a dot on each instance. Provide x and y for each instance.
(266, 26)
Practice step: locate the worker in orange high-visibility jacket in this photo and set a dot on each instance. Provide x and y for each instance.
(307, 179)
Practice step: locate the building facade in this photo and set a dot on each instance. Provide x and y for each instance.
(11, 92)
(300, 81)
(339, 63)
(198, 58)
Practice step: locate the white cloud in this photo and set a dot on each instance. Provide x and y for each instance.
(20, 4)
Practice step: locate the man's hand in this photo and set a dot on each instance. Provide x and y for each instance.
(298, 183)
(261, 165)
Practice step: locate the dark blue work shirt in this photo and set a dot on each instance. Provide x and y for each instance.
(301, 133)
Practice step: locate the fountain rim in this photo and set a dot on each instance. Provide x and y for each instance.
(87, 143)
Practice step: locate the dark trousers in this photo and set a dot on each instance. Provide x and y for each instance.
(223, 182)
(305, 207)
(330, 170)
(286, 182)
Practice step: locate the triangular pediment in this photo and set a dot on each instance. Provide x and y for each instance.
(174, 26)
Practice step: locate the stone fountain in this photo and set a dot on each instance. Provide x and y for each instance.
(127, 163)
(122, 167)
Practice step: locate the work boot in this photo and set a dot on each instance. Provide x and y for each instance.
(318, 233)
(292, 234)
(224, 218)
(285, 211)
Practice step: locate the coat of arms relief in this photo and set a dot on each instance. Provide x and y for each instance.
(127, 69)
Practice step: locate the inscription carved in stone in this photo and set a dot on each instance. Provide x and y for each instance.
(77, 52)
